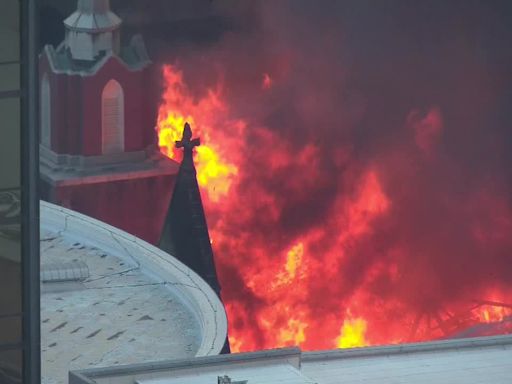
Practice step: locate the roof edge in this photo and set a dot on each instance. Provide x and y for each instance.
(429, 346)
(50, 52)
(193, 291)
(247, 357)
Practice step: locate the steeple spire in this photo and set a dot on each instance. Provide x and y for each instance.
(185, 234)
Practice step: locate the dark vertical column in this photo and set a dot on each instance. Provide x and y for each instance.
(29, 194)
(185, 232)
(19, 223)
(11, 317)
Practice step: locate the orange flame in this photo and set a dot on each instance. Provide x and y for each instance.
(292, 333)
(287, 321)
(491, 313)
(273, 304)
(292, 265)
(214, 172)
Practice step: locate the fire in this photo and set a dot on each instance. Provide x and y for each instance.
(303, 227)
(371, 202)
(292, 334)
(234, 344)
(292, 265)
(352, 334)
(490, 312)
(294, 259)
(214, 172)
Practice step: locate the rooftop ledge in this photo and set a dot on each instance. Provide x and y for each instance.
(184, 283)
(183, 369)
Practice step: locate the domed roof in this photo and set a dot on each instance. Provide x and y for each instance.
(109, 298)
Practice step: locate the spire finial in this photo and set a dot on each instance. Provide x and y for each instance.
(186, 142)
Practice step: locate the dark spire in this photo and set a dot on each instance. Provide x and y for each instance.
(185, 233)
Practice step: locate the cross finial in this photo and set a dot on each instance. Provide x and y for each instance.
(186, 141)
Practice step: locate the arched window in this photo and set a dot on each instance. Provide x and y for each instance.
(46, 112)
(112, 118)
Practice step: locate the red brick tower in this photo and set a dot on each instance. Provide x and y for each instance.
(98, 144)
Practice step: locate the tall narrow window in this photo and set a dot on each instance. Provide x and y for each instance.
(112, 118)
(45, 111)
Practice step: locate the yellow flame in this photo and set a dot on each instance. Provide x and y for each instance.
(293, 333)
(293, 263)
(214, 173)
(492, 313)
(294, 259)
(352, 334)
(170, 129)
(235, 345)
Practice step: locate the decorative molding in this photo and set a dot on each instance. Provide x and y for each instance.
(134, 372)
(54, 160)
(50, 53)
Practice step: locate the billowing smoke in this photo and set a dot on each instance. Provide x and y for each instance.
(371, 141)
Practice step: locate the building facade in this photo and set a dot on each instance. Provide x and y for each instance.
(97, 125)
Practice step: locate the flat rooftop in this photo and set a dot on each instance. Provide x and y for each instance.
(464, 361)
(479, 360)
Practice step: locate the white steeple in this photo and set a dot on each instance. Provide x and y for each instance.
(92, 29)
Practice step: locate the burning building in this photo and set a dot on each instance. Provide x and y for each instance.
(99, 153)
(354, 167)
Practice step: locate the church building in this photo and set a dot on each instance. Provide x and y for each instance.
(98, 145)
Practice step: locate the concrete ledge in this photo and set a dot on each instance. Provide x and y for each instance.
(266, 360)
(54, 159)
(430, 346)
(67, 170)
(194, 292)
(133, 372)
